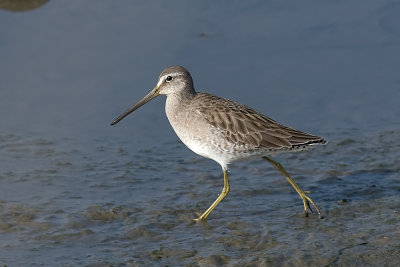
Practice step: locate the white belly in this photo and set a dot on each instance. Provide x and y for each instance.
(202, 138)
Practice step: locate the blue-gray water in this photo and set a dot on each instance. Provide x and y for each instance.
(75, 191)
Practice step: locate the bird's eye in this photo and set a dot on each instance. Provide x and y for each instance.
(168, 79)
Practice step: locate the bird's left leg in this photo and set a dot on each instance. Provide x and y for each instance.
(303, 194)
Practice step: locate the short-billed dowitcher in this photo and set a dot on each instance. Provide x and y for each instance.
(224, 130)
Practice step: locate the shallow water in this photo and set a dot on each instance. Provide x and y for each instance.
(66, 202)
(76, 192)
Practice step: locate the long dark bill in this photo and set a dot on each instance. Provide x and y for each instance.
(155, 92)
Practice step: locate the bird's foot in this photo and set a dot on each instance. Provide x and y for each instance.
(308, 202)
(201, 218)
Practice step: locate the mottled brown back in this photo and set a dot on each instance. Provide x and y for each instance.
(244, 125)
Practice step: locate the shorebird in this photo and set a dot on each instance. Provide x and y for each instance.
(223, 130)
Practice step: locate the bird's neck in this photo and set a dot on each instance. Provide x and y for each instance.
(178, 102)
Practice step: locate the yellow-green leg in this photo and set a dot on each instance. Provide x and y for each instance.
(303, 194)
(224, 192)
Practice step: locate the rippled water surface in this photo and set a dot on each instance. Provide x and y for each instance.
(69, 202)
(75, 191)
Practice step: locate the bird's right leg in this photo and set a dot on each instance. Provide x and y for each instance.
(224, 192)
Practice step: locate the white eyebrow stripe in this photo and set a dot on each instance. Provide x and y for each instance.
(162, 78)
(160, 81)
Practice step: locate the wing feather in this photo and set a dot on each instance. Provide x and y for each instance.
(245, 126)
